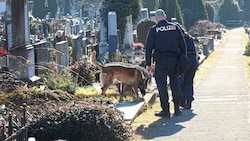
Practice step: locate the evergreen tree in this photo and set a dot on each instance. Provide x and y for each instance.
(246, 9)
(193, 11)
(52, 7)
(210, 12)
(150, 4)
(229, 10)
(172, 9)
(67, 6)
(42, 7)
(135, 8)
(123, 8)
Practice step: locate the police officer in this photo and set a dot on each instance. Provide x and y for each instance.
(189, 72)
(165, 43)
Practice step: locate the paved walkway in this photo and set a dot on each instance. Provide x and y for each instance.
(221, 110)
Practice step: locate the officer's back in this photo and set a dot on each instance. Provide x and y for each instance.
(165, 37)
(165, 41)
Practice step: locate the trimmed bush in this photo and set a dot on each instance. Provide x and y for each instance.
(80, 121)
(142, 29)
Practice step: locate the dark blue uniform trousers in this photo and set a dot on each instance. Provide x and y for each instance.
(166, 66)
(187, 85)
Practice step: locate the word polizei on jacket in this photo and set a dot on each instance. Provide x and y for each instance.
(165, 28)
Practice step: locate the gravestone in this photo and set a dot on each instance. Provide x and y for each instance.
(67, 27)
(77, 47)
(103, 38)
(144, 13)
(22, 58)
(85, 45)
(62, 55)
(211, 44)
(128, 37)
(88, 34)
(112, 35)
(3, 60)
(21, 61)
(206, 48)
(42, 57)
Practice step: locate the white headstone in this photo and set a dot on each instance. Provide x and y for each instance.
(67, 28)
(81, 21)
(128, 39)
(144, 13)
(112, 23)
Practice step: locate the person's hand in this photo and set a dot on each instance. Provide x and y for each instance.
(149, 69)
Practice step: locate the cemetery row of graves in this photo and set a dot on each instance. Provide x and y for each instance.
(46, 88)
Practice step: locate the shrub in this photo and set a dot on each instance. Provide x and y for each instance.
(80, 121)
(142, 29)
(62, 81)
(83, 72)
(201, 28)
(247, 49)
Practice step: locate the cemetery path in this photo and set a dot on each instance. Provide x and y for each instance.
(221, 109)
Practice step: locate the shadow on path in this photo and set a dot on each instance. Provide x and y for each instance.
(165, 126)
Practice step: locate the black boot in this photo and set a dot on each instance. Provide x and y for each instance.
(188, 105)
(165, 111)
(163, 114)
(177, 111)
(183, 103)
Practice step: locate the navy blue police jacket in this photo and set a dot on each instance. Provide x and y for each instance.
(191, 51)
(164, 37)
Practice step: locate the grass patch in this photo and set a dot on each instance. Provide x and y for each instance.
(147, 123)
(87, 91)
(112, 93)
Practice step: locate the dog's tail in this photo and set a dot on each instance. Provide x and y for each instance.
(93, 60)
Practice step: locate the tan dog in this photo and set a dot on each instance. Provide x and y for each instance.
(126, 74)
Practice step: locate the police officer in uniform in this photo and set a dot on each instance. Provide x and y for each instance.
(187, 87)
(165, 43)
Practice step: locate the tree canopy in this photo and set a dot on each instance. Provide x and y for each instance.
(229, 11)
(42, 7)
(172, 9)
(193, 11)
(246, 9)
(150, 4)
(210, 12)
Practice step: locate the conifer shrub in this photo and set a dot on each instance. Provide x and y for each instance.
(80, 121)
(142, 29)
